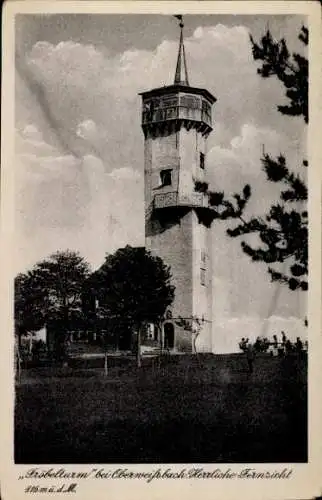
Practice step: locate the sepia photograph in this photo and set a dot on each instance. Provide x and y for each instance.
(161, 238)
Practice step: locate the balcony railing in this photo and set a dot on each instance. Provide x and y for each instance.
(163, 200)
(179, 112)
(174, 199)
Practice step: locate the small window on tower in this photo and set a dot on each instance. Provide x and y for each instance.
(203, 256)
(166, 177)
(203, 276)
(202, 160)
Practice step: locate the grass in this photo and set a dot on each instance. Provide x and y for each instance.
(185, 411)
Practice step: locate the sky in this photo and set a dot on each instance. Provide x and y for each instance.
(79, 147)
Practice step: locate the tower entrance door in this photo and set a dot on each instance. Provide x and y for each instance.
(169, 336)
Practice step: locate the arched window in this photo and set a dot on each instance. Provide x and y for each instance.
(168, 335)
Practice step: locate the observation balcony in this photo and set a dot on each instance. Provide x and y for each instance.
(174, 199)
(177, 106)
(177, 113)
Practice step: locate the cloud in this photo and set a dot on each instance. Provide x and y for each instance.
(33, 142)
(229, 39)
(67, 202)
(230, 168)
(32, 133)
(87, 130)
(239, 163)
(125, 173)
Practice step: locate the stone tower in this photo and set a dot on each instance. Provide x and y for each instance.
(176, 121)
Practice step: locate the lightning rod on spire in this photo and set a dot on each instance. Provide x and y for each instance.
(181, 74)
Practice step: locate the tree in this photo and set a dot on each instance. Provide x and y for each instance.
(194, 325)
(51, 292)
(28, 310)
(283, 231)
(133, 287)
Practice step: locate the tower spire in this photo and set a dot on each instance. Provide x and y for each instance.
(181, 75)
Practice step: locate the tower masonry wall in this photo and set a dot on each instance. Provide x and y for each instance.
(161, 153)
(174, 245)
(174, 233)
(202, 282)
(191, 144)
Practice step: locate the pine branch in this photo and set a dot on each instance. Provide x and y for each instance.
(293, 283)
(277, 171)
(292, 71)
(304, 35)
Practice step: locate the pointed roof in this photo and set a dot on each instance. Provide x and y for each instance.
(181, 82)
(181, 75)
